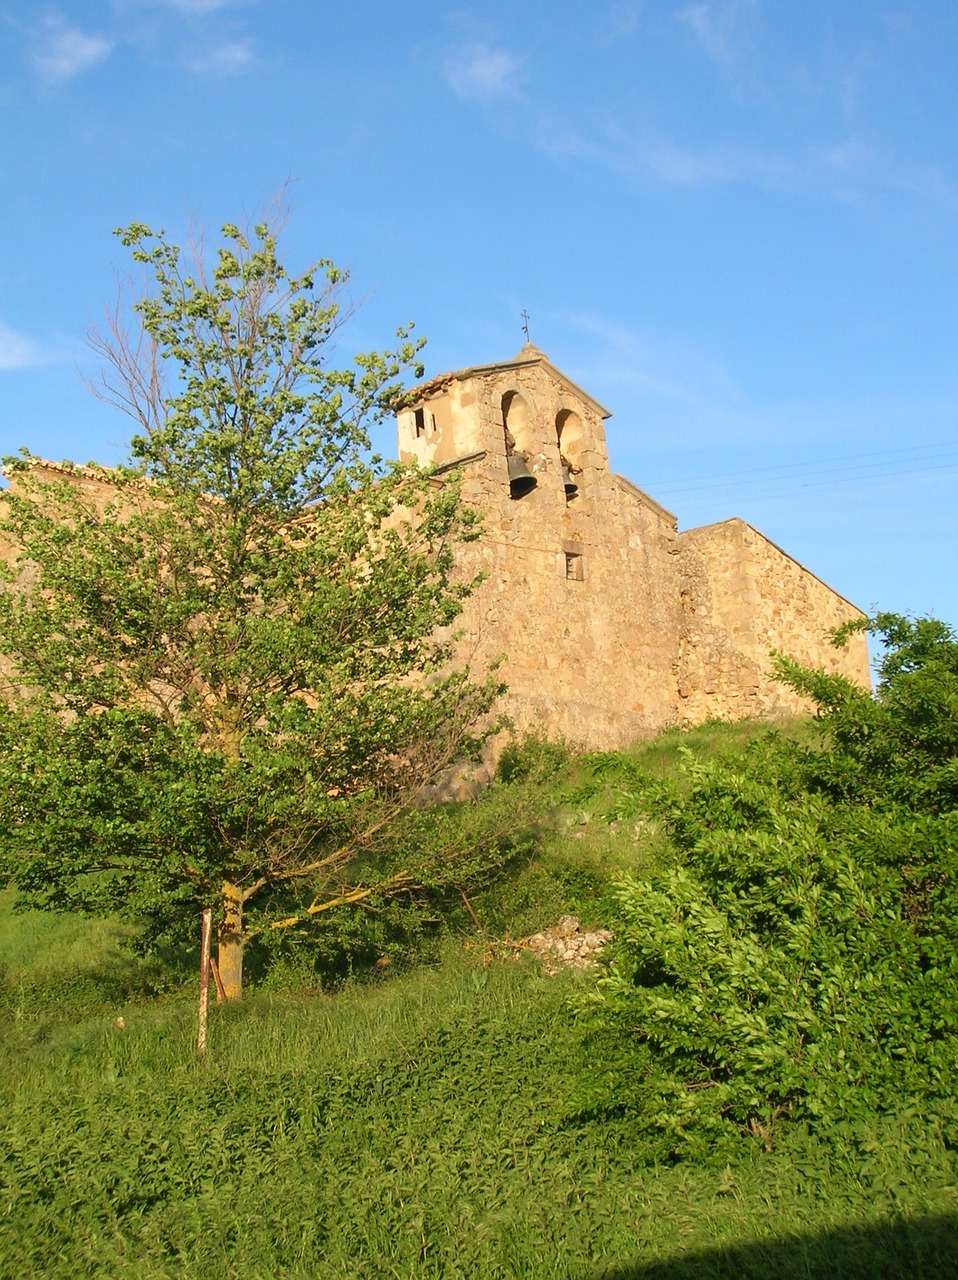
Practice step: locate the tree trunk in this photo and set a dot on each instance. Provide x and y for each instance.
(230, 942)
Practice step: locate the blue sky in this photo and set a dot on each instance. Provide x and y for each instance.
(732, 221)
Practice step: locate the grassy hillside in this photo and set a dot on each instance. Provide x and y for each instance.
(416, 1121)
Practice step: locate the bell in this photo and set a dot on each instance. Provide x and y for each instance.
(571, 488)
(521, 479)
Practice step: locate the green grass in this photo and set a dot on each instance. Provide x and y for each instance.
(414, 1128)
(659, 757)
(54, 969)
(418, 1124)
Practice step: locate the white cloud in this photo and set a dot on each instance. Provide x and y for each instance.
(684, 168)
(481, 72)
(627, 142)
(65, 50)
(639, 155)
(16, 351)
(224, 59)
(620, 21)
(714, 27)
(845, 170)
(654, 367)
(195, 6)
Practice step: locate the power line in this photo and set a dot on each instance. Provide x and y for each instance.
(782, 489)
(795, 472)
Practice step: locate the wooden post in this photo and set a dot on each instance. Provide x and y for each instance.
(204, 1012)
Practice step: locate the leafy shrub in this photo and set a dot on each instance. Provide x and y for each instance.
(900, 746)
(799, 959)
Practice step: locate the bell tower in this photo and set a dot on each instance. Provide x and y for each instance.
(528, 420)
(577, 586)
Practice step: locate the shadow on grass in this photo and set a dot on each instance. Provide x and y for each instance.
(897, 1249)
(44, 998)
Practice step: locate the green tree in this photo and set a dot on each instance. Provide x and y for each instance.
(798, 958)
(900, 746)
(227, 661)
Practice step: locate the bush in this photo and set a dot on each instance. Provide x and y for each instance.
(799, 960)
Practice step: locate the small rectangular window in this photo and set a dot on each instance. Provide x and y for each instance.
(420, 422)
(573, 567)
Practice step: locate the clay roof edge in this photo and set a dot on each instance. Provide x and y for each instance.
(529, 355)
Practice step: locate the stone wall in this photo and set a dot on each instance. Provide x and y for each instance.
(579, 598)
(610, 624)
(742, 597)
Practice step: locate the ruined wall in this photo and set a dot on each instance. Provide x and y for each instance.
(742, 597)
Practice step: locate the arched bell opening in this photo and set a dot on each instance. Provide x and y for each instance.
(570, 435)
(516, 426)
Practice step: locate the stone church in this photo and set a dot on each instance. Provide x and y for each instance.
(612, 624)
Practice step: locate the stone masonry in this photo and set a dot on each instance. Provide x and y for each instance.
(611, 624)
